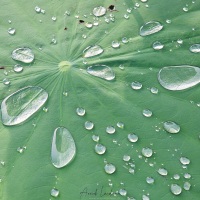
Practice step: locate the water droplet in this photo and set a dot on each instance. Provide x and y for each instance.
(179, 77)
(147, 152)
(176, 189)
(22, 104)
(110, 129)
(147, 113)
(136, 85)
(37, 9)
(63, 148)
(95, 138)
(126, 16)
(99, 11)
(20, 149)
(54, 192)
(89, 24)
(150, 180)
(92, 51)
(101, 71)
(171, 127)
(132, 137)
(157, 45)
(54, 18)
(115, 44)
(80, 111)
(6, 81)
(185, 9)
(145, 197)
(176, 176)
(110, 168)
(187, 186)
(11, 31)
(100, 149)
(120, 125)
(168, 21)
(185, 161)
(89, 125)
(154, 90)
(18, 68)
(179, 41)
(122, 192)
(126, 158)
(65, 94)
(187, 175)
(2, 163)
(24, 55)
(143, 1)
(162, 171)
(150, 28)
(45, 109)
(195, 48)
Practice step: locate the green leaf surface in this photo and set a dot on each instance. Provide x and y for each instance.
(31, 174)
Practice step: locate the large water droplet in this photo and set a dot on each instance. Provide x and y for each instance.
(101, 71)
(176, 189)
(147, 152)
(132, 137)
(92, 51)
(24, 55)
(21, 105)
(99, 11)
(179, 77)
(110, 168)
(185, 161)
(150, 28)
(63, 148)
(100, 149)
(54, 192)
(171, 127)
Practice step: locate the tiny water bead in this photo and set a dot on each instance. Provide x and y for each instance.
(110, 129)
(171, 127)
(99, 11)
(132, 137)
(120, 125)
(11, 31)
(187, 186)
(150, 180)
(175, 189)
(89, 125)
(18, 68)
(22, 104)
(110, 168)
(162, 171)
(122, 192)
(63, 148)
(92, 51)
(95, 138)
(195, 48)
(184, 161)
(101, 71)
(136, 85)
(100, 149)
(150, 27)
(6, 81)
(147, 113)
(179, 77)
(126, 158)
(147, 152)
(157, 45)
(54, 192)
(23, 54)
(80, 111)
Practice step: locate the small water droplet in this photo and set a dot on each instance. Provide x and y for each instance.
(99, 11)
(187, 175)
(132, 137)
(11, 31)
(125, 40)
(20, 149)
(176, 189)
(176, 176)
(110, 129)
(110, 168)
(187, 186)
(147, 113)
(131, 171)
(157, 45)
(154, 90)
(54, 18)
(195, 48)
(23, 54)
(136, 85)
(150, 180)
(126, 158)
(171, 127)
(18, 68)
(122, 192)
(95, 138)
(179, 41)
(115, 44)
(37, 9)
(80, 111)
(6, 81)
(65, 94)
(120, 125)
(92, 51)
(45, 109)
(184, 161)
(126, 16)
(54, 192)
(101, 71)
(100, 149)
(63, 148)
(168, 21)
(150, 28)
(147, 152)
(145, 197)
(89, 125)
(2, 163)
(162, 171)
(185, 9)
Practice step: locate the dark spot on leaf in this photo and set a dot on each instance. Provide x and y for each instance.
(1, 67)
(111, 7)
(65, 28)
(81, 21)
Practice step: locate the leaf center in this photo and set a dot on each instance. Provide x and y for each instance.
(64, 66)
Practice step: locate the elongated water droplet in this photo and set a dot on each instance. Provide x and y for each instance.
(147, 113)
(136, 85)
(110, 168)
(101, 71)
(11, 31)
(24, 55)
(150, 28)
(110, 129)
(162, 171)
(179, 77)
(100, 149)
(80, 111)
(187, 186)
(171, 127)
(195, 48)
(18, 68)
(185, 161)
(157, 45)
(176, 189)
(54, 192)
(99, 11)
(89, 125)
(92, 51)
(63, 148)
(147, 152)
(21, 105)
(132, 137)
